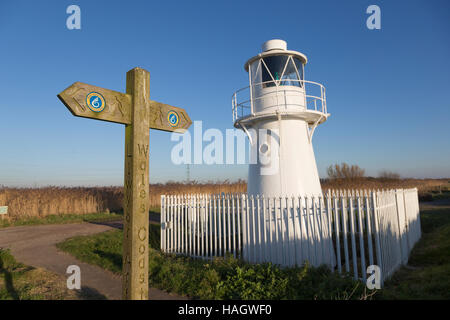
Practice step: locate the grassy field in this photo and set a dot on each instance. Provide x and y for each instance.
(21, 282)
(59, 219)
(427, 275)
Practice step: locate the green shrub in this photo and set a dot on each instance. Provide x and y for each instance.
(253, 282)
(231, 278)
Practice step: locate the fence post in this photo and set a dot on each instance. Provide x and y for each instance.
(210, 246)
(253, 230)
(401, 218)
(271, 227)
(245, 232)
(239, 224)
(336, 228)
(178, 198)
(314, 235)
(190, 223)
(266, 244)
(233, 215)
(172, 224)
(416, 203)
(277, 238)
(377, 235)
(369, 228)
(352, 227)
(202, 225)
(258, 225)
(329, 216)
(344, 231)
(361, 239)
(298, 234)
(284, 243)
(198, 198)
(163, 223)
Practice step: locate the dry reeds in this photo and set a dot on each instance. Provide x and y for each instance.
(40, 202)
(423, 185)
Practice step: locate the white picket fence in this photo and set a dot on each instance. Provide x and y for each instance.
(346, 230)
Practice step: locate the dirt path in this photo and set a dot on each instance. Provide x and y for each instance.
(35, 246)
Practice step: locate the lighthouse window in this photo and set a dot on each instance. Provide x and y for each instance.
(299, 67)
(290, 76)
(276, 65)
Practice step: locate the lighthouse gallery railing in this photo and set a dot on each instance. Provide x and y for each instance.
(346, 230)
(243, 100)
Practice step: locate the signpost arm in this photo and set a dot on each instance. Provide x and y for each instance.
(136, 188)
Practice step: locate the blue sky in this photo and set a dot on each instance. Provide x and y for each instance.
(387, 90)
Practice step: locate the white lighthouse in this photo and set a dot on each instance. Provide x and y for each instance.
(279, 112)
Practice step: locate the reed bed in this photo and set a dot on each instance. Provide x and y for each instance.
(40, 202)
(423, 185)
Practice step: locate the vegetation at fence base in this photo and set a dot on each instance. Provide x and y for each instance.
(21, 282)
(427, 275)
(60, 219)
(266, 281)
(221, 278)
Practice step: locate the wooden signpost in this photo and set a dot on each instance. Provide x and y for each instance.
(138, 113)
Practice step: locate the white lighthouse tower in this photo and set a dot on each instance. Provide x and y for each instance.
(279, 112)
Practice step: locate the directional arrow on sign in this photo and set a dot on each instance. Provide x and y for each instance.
(118, 108)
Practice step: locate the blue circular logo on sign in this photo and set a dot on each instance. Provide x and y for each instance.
(173, 118)
(95, 101)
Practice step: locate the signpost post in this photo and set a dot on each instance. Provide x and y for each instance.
(139, 114)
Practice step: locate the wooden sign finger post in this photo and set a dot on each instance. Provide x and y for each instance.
(139, 114)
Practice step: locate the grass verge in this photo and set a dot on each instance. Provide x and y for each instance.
(21, 282)
(60, 219)
(427, 275)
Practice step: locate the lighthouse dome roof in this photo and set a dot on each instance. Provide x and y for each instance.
(276, 47)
